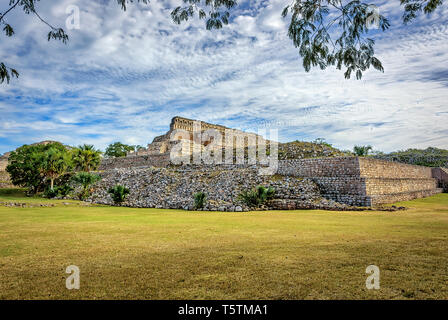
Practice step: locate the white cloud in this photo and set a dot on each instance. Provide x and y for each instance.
(125, 74)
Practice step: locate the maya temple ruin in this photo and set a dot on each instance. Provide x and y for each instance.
(313, 182)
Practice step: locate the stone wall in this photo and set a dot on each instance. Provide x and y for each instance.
(5, 181)
(350, 180)
(364, 181)
(4, 161)
(161, 160)
(441, 174)
(320, 167)
(174, 187)
(374, 168)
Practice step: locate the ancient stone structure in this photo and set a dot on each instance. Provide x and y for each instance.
(329, 182)
(5, 181)
(441, 174)
(183, 130)
(4, 161)
(364, 181)
(156, 160)
(349, 180)
(174, 187)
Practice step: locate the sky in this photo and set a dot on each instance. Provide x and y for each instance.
(124, 75)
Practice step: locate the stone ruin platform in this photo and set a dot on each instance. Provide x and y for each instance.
(360, 181)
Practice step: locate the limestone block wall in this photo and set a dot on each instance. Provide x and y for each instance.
(174, 187)
(349, 180)
(374, 168)
(441, 174)
(5, 181)
(320, 167)
(3, 163)
(364, 181)
(135, 161)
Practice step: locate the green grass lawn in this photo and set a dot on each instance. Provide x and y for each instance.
(127, 253)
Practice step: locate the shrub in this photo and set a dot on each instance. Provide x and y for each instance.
(85, 179)
(119, 193)
(57, 191)
(51, 193)
(199, 200)
(257, 196)
(64, 190)
(362, 151)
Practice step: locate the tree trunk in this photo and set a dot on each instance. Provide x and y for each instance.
(51, 183)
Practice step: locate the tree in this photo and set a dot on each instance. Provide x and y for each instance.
(86, 158)
(29, 8)
(54, 163)
(118, 149)
(24, 166)
(362, 151)
(85, 179)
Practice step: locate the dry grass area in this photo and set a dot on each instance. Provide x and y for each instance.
(127, 253)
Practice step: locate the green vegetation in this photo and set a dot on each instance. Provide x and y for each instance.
(85, 179)
(29, 165)
(303, 149)
(119, 193)
(58, 191)
(132, 253)
(199, 200)
(323, 142)
(118, 149)
(53, 163)
(39, 167)
(362, 151)
(86, 158)
(431, 157)
(256, 197)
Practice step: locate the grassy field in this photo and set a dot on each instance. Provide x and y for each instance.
(127, 253)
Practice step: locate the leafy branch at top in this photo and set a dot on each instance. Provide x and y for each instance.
(217, 12)
(55, 33)
(326, 32)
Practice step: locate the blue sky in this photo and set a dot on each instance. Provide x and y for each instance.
(124, 75)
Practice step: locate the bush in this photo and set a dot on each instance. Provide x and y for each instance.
(199, 200)
(85, 179)
(119, 193)
(51, 193)
(57, 191)
(64, 190)
(257, 196)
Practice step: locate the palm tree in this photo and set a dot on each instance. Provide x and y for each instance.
(85, 179)
(362, 151)
(86, 158)
(54, 163)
